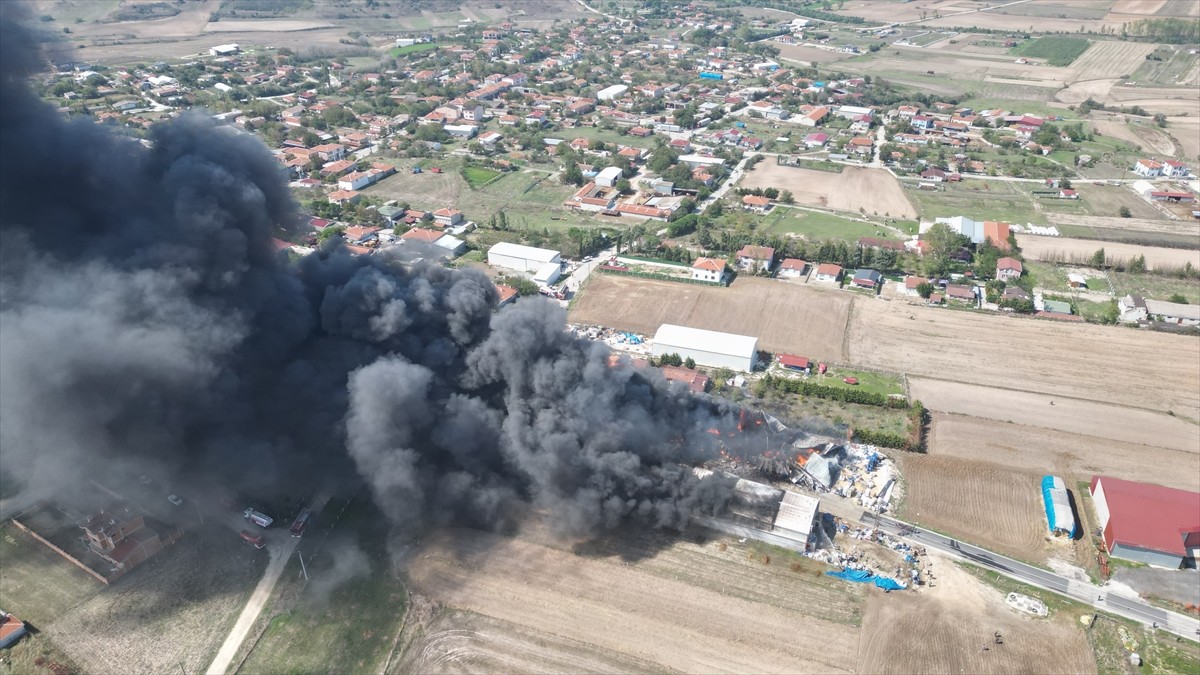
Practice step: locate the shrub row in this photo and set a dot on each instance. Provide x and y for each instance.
(806, 388)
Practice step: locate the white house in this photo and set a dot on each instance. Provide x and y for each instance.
(792, 268)
(521, 258)
(708, 269)
(461, 130)
(755, 258)
(828, 273)
(1008, 269)
(1148, 168)
(1133, 309)
(1174, 169)
(448, 217)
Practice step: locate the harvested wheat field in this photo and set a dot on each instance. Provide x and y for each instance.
(976, 501)
(1075, 457)
(701, 610)
(945, 629)
(1108, 364)
(1077, 416)
(875, 191)
(1065, 249)
(1110, 59)
(784, 317)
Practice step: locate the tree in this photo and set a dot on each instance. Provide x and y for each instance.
(572, 175)
(1098, 258)
(786, 197)
(1160, 119)
(1138, 265)
(1124, 212)
(925, 289)
(623, 186)
(1178, 298)
(943, 243)
(689, 363)
(523, 285)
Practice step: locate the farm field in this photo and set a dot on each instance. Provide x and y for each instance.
(37, 584)
(691, 607)
(1072, 415)
(945, 627)
(1057, 51)
(874, 190)
(1027, 354)
(809, 54)
(1102, 59)
(1075, 457)
(1065, 249)
(976, 501)
(1107, 200)
(771, 310)
(183, 602)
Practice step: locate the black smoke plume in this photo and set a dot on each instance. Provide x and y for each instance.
(146, 321)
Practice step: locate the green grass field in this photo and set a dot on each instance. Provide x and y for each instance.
(1057, 50)
(413, 49)
(977, 199)
(878, 383)
(818, 226)
(477, 176)
(1155, 287)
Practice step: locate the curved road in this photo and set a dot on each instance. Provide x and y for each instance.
(1089, 594)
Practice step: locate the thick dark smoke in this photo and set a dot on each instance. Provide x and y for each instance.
(146, 321)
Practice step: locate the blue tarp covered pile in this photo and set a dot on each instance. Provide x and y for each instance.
(864, 577)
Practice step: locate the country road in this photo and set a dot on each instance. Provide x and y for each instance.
(280, 545)
(1099, 597)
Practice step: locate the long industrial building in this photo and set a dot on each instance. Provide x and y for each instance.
(1146, 523)
(707, 347)
(544, 264)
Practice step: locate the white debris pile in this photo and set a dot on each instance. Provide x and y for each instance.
(913, 567)
(867, 477)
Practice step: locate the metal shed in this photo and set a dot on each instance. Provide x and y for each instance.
(707, 347)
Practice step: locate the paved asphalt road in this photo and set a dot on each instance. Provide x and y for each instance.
(1089, 594)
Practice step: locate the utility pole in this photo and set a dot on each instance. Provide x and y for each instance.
(198, 513)
(303, 569)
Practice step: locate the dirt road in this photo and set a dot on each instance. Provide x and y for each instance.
(281, 545)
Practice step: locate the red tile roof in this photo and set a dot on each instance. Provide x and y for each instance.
(419, 234)
(757, 252)
(696, 380)
(829, 269)
(793, 264)
(789, 361)
(711, 264)
(1148, 516)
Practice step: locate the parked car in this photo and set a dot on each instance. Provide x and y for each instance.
(850, 380)
(175, 499)
(255, 540)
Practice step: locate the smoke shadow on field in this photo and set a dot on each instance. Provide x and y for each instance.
(634, 543)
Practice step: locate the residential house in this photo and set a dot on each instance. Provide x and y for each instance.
(1148, 168)
(861, 145)
(755, 258)
(359, 234)
(1133, 309)
(815, 140)
(1008, 269)
(506, 294)
(1015, 293)
(708, 269)
(828, 272)
(448, 217)
(343, 196)
(797, 363)
(960, 292)
(590, 197)
(1174, 169)
(792, 268)
(814, 117)
(866, 278)
(756, 203)
(911, 283)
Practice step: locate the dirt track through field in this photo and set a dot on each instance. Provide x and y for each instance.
(1063, 414)
(873, 190)
(1072, 456)
(1108, 364)
(785, 317)
(1065, 249)
(976, 501)
(623, 610)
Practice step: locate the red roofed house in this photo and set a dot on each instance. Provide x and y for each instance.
(755, 203)
(708, 269)
(911, 283)
(790, 362)
(827, 272)
(695, 380)
(507, 294)
(422, 235)
(1156, 525)
(448, 217)
(1008, 268)
(756, 258)
(11, 629)
(792, 268)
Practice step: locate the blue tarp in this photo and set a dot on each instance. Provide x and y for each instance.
(864, 577)
(1059, 516)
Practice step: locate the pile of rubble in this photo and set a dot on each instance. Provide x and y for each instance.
(914, 567)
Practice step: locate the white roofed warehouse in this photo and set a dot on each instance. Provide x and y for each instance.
(521, 258)
(707, 347)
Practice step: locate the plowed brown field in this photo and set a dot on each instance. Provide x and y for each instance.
(784, 317)
(991, 504)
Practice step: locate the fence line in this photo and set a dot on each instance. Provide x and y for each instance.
(99, 577)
